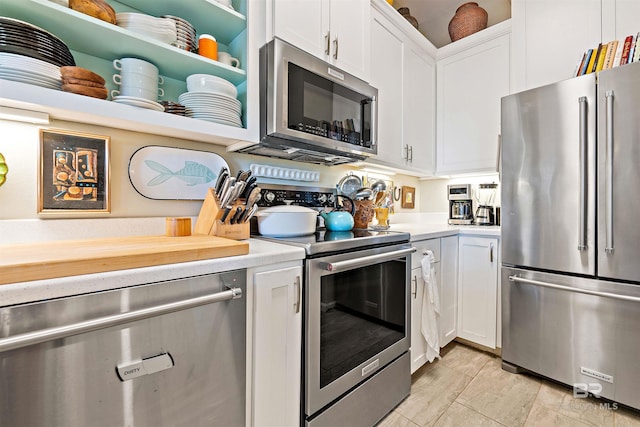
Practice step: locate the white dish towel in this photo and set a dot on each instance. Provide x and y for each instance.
(430, 307)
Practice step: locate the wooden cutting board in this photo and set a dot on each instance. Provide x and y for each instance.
(47, 260)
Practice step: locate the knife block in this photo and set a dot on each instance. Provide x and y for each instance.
(209, 220)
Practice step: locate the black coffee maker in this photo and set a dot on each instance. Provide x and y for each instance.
(460, 204)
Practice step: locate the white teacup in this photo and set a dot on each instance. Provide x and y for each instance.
(137, 79)
(134, 65)
(137, 92)
(226, 58)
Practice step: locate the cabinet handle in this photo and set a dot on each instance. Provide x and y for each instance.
(327, 43)
(405, 149)
(414, 287)
(298, 293)
(491, 253)
(335, 50)
(410, 159)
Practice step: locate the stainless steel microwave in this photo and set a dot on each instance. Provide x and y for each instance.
(311, 111)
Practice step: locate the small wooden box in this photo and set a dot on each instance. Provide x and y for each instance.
(209, 220)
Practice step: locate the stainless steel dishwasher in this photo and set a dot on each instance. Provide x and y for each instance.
(164, 354)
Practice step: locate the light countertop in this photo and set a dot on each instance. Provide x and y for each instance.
(261, 253)
(422, 231)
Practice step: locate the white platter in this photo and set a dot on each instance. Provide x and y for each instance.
(167, 173)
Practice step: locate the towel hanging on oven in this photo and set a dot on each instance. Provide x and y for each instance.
(430, 307)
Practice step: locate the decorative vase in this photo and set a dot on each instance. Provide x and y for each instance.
(468, 19)
(404, 11)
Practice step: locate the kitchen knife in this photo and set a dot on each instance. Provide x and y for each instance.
(251, 184)
(224, 172)
(237, 215)
(225, 215)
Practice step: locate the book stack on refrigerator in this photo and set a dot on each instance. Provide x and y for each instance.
(609, 55)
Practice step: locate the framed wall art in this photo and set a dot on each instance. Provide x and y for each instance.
(73, 175)
(408, 197)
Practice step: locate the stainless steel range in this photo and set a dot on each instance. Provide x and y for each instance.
(356, 364)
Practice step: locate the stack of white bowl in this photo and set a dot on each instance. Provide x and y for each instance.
(161, 29)
(213, 99)
(138, 81)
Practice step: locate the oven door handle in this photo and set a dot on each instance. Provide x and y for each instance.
(58, 332)
(336, 267)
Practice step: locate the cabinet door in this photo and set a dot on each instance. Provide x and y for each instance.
(550, 37)
(419, 102)
(470, 86)
(277, 347)
(386, 76)
(350, 24)
(477, 290)
(304, 24)
(448, 287)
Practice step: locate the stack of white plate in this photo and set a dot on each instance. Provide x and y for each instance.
(212, 107)
(24, 69)
(212, 98)
(161, 29)
(186, 34)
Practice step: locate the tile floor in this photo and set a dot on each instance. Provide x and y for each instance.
(467, 387)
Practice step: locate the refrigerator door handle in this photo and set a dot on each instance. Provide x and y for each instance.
(609, 172)
(582, 223)
(518, 279)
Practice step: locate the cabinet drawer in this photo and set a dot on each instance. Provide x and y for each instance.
(432, 244)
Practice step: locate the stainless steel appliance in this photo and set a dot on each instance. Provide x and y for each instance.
(485, 196)
(356, 333)
(168, 353)
(570, 277)
(311, 111)
(460, 204)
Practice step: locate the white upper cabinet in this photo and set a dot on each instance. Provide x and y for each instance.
(386, 76)
(473, 76)
(550, 36)
(403, 71)
(336, 31)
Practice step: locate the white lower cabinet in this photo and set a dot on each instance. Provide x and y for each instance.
(445, 251)
(277, 347)
(448, 287)
(478, 289)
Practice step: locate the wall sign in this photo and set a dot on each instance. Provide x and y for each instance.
(408, 197)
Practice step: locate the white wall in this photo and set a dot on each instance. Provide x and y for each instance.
(20, 144)
(433, 193)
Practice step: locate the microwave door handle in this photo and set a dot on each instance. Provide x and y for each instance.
(57, 332)
(374, 121)
(609, 172)
(336, 267)
(583, 122)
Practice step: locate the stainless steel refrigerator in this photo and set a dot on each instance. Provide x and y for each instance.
(570, 233)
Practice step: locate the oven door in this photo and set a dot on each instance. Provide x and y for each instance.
(356, 319)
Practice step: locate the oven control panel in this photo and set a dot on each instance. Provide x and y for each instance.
(313, 197)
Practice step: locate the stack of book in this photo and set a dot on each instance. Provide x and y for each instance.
(609, 55)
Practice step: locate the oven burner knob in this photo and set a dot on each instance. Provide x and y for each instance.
(269, 197)
(322, 198)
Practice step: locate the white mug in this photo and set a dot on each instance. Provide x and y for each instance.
(137, 92)
(137, 79)
(226, 58)
(134, 65)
